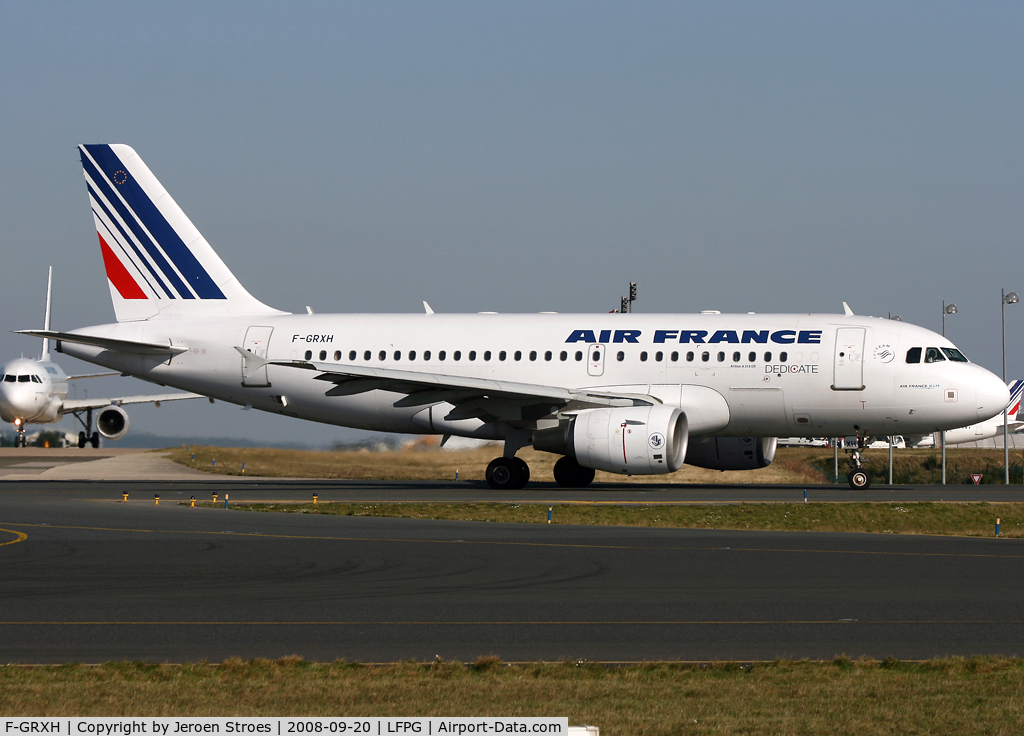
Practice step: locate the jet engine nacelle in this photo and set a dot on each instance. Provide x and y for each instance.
(731, 453)
(112, 422)
(633, 440)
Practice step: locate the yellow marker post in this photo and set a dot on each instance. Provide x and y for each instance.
(314, 498)
(125, 494)
(193, 501)
(156, 499)
(215, 496)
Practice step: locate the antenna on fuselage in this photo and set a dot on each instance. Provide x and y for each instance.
(46, 320)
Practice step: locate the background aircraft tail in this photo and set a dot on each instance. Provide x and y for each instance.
(1016, 390)
(159, 266)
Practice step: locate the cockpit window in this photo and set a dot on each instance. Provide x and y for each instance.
(9, 378)
(914, 355)
(36, 379)
(23, 379)
(955, 355)
(933, 355)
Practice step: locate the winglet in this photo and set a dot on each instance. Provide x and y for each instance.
(846, 308)
(426, 307)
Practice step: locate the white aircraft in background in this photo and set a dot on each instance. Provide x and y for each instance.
(624, 393)
(980, 431)
(35, 392)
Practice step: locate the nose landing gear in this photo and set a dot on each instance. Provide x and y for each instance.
(858, 478)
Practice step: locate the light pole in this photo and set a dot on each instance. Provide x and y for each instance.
(1005, 299)
(946, 309)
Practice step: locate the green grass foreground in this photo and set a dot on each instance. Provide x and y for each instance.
(950, 519)
(944, 696)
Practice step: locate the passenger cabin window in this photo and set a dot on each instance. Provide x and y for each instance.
(457, 355)
(487, 355)
(659, 355)
(398, 355)
(767, 357)
(619, 356)
(914, 355)
(366, 355)
(955, 355)
(705, 356)
(579, 356)
(933, 355)
(426, 355)
(518, 355)
(351, 354)
(689, 357)
(643, 356)
(721, 356)
(323, 355)
(563, 356)
(751, 356)
(547, 355)
(783, 357)
(472, 355)
(382, 355)
(337, 355)
(441, 354)
(309, 356)
(533, 355)
(736, 357)
(412, 355)
(675, 356)
(501, 355)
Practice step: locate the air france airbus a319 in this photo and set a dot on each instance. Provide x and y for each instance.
(624, 393)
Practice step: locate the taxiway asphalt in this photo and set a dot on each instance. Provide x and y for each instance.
(89, 578)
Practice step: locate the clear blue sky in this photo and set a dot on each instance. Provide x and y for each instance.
(529, 156)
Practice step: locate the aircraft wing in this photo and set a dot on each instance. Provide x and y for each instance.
(71, 406)
(472, 397)
(94, 375)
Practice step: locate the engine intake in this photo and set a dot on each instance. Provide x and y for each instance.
(112, 422)
(633, 440)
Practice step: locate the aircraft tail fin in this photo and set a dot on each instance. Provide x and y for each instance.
(1016, 391)
(45, 355)
(158, 265)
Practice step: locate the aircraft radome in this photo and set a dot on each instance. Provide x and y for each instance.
(624, 393)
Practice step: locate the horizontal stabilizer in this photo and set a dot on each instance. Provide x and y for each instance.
(107, 343)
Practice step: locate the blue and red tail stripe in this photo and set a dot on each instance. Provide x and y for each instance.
(143, 218)
(121, 237)
(1016, 391)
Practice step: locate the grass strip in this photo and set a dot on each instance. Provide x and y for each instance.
(948, 519)
(792, 465)
(941, 696)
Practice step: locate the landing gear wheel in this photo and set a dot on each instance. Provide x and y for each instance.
(507, 473)
(20, 440)
(570, 474)
(859, 479)
(95, 439)
(81, 440)
(522, 472)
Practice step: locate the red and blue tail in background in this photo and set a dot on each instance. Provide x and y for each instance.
(159, 266)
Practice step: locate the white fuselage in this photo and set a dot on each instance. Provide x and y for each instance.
(734, 375)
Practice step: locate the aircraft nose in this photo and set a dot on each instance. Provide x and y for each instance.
(992, 395)
(16, 402)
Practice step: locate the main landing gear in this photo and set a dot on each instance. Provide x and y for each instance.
(570, 474)
(89, 436)
(511, 474)
(507, 473)
(858, 478)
